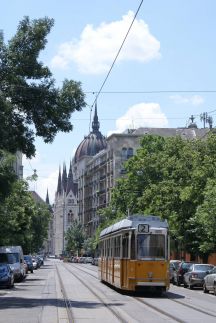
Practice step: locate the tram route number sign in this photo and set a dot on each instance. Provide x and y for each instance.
(143, 228)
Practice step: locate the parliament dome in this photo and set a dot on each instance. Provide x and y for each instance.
(93, 143)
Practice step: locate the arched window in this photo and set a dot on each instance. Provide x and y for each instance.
(70, 217)
(124, 153)
(130, 152)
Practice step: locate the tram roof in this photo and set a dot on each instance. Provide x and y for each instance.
(133, 221)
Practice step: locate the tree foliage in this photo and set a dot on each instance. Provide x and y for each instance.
(174, 178)
(23, 221)
(30, 104)
(75, 237)
(7, 175)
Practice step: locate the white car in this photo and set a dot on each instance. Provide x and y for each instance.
(210, 282)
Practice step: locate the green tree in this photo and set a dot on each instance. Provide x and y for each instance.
(39, 227)
(205, 220)
(23, 221)
(75, 237)
(88, 246)
(7, 175)
(30, 104)
(15, 215)
(168, 177)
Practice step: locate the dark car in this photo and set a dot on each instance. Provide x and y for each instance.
(6, 276)
(28, 260)
(195, 275)
(178, 275)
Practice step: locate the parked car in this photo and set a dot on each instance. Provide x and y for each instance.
(13, 256)
(88, 260)
(28, 260)
(172, 268)
(179, 273)
(95, 261)
(35, 263)
(210, 282)
(6, 276)
(195, 275)
(39, 260)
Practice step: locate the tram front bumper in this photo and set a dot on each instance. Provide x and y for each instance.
(155, 284)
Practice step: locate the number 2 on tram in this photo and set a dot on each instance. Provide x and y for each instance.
(135, 254)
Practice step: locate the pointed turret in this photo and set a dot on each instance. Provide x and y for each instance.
(64, 178)
(47, 198)
(71, 186)
(59, 187)
(95, 122)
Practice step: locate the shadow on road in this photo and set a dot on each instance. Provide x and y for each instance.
(20, 302)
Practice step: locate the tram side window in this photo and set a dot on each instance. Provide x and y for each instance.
(133, 252)
(101, 248)
(112, 247)
(107, 248)
(125, 242)
(117, 247)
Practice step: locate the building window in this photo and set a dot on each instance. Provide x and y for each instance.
(130, 152)
(70, 217)
(124, 153)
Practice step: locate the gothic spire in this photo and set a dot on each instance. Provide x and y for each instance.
(95, 122)
(59, 190)
(47, 198)
(71, 186)
(64, 178)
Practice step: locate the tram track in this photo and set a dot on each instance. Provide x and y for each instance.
(154, 307)
(203, 311)
(168, 315)
(66, 299)
(105, 304)
(159, 310)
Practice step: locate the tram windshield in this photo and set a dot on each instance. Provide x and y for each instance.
(150, 246)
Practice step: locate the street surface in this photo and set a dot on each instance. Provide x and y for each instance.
(66, 292)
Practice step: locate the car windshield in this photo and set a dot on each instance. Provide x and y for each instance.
(186, 265)
(9, 258)
(151, 246)
(203, 267)
(28, 258)
(175, 264)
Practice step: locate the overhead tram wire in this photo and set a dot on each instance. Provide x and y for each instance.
(98, 93)
(153, 91)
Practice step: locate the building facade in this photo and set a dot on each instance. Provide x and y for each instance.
(65, 209)
(96, 166)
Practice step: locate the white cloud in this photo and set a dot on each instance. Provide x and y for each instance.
(47, 179)
(141, 115)
(194, 99)
(43, 183)
(97, 47)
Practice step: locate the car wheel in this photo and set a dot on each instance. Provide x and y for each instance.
(214, 288)
(32, 271)
(185, 285)
(205, 290)
(190, 286)
(178, 283)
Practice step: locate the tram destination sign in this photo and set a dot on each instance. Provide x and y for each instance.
(143, 228)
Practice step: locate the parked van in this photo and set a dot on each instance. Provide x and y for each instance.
(13, 255)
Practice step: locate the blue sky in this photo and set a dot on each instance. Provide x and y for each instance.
(168, 56)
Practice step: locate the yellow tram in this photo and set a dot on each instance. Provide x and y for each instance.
(135, 254)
